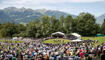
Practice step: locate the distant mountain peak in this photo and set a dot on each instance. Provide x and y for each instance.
(100, 19)
(25, 15)
(10, 8)
(41, 10)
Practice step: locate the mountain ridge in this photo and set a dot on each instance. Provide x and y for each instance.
(25, 15)
(100, 19)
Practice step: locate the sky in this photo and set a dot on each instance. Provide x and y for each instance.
(95, 7)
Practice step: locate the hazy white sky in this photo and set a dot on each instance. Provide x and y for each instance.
(95, 7)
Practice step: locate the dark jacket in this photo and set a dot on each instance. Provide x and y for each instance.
(103, 57)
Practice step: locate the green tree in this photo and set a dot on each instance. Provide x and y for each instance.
(74, 25)
(20, 30)
(86, 24)
(45, 26)
(38, 27)
(33, 29)
(8, 30)
(68, 24)
(62, 23)
(55, 24)
(103, 27)
(62, 20)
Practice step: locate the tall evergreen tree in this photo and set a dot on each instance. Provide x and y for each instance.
(45, 25)
(103, 27)
(62, 23)
(68, 24)
(86, 24)
(8, 30)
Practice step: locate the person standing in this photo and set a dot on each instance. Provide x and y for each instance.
(103, 55)
(13, 58)
(81, 54)
(90, 57)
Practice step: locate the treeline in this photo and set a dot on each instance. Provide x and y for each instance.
(84, 24)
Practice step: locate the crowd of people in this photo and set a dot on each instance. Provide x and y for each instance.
(36, 50)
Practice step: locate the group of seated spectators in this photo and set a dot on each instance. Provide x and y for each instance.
(36, 50)
(59, 41)
(71, 37)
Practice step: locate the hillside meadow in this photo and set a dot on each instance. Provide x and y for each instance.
(100, 39)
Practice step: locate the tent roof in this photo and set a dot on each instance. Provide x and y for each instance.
(77, 40)
(76, 34)
(58, 33)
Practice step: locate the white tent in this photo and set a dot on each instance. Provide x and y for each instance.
(15, 38)
(58, 33)
(77, 35)
(77, 40)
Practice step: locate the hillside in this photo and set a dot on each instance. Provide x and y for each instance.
(23, 15)
(100, 19)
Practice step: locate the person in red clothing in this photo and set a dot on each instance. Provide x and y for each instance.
(81, 54)
(67, 52)
(80, 50)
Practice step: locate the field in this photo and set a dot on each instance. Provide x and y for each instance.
(100, 39)
(11, 41)
(57, 41)
(62, 41)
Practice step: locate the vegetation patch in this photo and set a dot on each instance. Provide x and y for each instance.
(57, 41)
(63, 41)
(11, 41)
(100, 39)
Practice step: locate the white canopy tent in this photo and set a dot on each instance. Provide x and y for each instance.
(77, 40)
(58, 33)
(15, 38)
(77, 35)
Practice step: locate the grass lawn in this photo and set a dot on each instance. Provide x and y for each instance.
(100, 39)
(57, 41)
(11, 41)
(62, 41)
